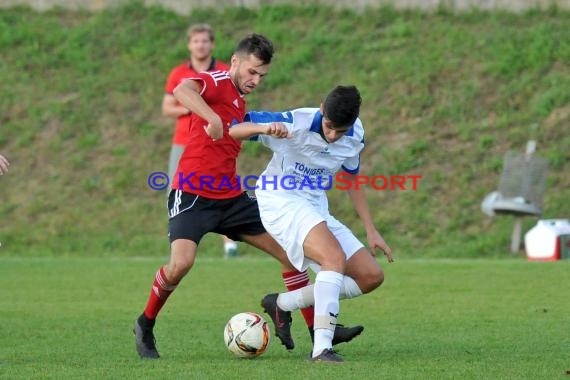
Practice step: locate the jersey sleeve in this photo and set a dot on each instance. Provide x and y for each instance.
(202, 77)
(352, 164)
(264, 117)
(209, 81)
(171, 82)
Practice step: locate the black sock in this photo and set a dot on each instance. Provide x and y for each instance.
(145, 322)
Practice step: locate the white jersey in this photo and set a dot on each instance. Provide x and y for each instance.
(305, 165)
(291, 192)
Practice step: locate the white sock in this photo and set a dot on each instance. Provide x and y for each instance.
(231, 245)
(327, 290)
(349, 288)
(297, 299)
(305, 297)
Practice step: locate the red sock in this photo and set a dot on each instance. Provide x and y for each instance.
(297, 280)
(160, 291)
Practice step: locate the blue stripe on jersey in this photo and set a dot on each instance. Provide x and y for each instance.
(317, 124)
(268, 117)
(352, 171)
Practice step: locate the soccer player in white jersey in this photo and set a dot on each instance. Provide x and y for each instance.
(318, 143)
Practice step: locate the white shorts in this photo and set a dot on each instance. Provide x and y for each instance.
(289, 220)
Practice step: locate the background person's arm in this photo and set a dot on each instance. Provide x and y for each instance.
(4, 163)
(171, 107)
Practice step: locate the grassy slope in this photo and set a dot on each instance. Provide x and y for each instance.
(445, 97)
(433, 319)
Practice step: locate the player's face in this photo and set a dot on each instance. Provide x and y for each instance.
(247, 72)
(332, 134)
(200, 45)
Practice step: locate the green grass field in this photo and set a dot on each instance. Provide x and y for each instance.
(445, 96)
(469, 319)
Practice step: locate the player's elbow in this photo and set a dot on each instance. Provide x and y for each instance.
(167, 101)
(179, 91)
(185, 88)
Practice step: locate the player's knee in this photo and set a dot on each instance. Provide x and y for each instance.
(373, 278)
(334, 262)
(179, 266)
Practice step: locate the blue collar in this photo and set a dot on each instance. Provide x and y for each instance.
(317, 124)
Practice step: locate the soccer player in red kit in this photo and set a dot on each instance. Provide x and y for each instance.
(200, 45)
(205, 194)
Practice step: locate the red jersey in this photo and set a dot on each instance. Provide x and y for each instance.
(174, 78)
(206, 167)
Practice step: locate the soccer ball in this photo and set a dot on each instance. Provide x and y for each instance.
(246, 335)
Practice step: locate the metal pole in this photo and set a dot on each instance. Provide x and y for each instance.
(516, 236)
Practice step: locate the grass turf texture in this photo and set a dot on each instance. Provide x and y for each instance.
(445, 96)
(469, 319)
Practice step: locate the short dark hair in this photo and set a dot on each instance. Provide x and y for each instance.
(342, 106)
(257, 45)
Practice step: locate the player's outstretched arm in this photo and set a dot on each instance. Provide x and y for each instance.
(360, 203)
(244, 131)
(4, 163)
(188, 94)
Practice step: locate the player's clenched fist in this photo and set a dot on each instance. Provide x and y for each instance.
(214, 129)
(277, 130)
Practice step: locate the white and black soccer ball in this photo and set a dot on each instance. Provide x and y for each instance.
(246, 335)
